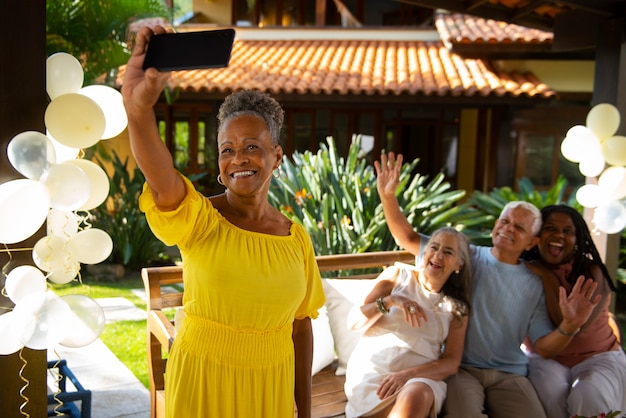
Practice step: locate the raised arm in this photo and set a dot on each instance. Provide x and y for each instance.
(387, 180)
(576, 308)
(140, 91)
(551, 288)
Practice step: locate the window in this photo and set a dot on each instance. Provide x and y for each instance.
(540, 160)
(191, 138)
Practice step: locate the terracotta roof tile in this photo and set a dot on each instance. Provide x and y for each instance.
(357, 67)
(466, 29)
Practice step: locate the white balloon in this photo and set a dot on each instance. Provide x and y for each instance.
(578, 142)
(64, 74)
(91, 246)
(9, 343)
(610, 217)
(75, 120)
(68, 186)
(613, 182)
(112, 104)
(52, 253)
(592, 165)
(63, 152)
(23, 281)
(590, 195)
(66, 273)
(41, 320)
(99, 183)
(24, 205)
(603, 120)
(87, 322)
(31, 153)
(614, 150)
(62, 223)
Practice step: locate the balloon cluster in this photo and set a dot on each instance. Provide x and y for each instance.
(57, 185)
(602, 154)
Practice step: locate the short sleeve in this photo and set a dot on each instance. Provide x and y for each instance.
(314, 298)
(173, 227)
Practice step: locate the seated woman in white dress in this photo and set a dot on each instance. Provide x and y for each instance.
(415, 319)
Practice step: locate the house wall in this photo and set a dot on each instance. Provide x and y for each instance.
(562, 76)
(466, 166)
(214, 11)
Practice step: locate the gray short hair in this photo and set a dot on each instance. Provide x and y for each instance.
(536, 213)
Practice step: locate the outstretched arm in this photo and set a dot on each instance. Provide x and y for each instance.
(140, 91)
(387, 180)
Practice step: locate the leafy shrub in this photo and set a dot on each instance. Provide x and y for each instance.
(491, 204)
(335, 199)
(134, 244)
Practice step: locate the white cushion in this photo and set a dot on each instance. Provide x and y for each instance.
(341, 296)
(323, 343)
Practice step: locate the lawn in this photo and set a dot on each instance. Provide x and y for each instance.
(126, 339)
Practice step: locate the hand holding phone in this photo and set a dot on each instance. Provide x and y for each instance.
(190, 50)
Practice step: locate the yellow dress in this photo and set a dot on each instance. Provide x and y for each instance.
(234, 354)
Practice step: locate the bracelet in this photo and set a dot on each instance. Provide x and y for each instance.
(567, 334)
(380, 305)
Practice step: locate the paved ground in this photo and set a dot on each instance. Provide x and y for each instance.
(115, 391)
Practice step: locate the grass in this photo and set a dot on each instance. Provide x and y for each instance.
(126, 339)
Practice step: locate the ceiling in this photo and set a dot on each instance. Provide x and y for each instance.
(539, 14)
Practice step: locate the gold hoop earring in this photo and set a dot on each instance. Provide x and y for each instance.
(276, 173)
(219, 179)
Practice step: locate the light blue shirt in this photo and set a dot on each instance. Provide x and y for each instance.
(508, 303)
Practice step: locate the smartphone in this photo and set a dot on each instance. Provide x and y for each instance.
(190, 50)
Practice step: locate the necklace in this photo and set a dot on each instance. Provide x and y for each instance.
(434, 308)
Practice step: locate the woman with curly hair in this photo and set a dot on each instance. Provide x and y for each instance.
(589, 375)
(251, 279)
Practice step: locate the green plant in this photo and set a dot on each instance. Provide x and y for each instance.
(491, 204)
(96, 31)
(134, 244)
(336, 200)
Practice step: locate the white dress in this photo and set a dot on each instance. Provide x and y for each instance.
(391, 345)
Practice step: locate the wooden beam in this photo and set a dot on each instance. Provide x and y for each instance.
(22, 107)
(575, 30)
(609, 87)
(320, 13)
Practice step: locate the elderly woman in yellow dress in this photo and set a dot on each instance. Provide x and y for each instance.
(251, 280)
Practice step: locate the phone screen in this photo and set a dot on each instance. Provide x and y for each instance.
(190, 50)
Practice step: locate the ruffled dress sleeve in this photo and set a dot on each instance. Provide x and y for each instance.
(178, 226)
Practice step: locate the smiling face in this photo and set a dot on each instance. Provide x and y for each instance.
(247, 155)
(441, 258)
(512, 234)
(557, 239)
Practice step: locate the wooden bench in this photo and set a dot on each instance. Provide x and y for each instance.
(329, 399)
